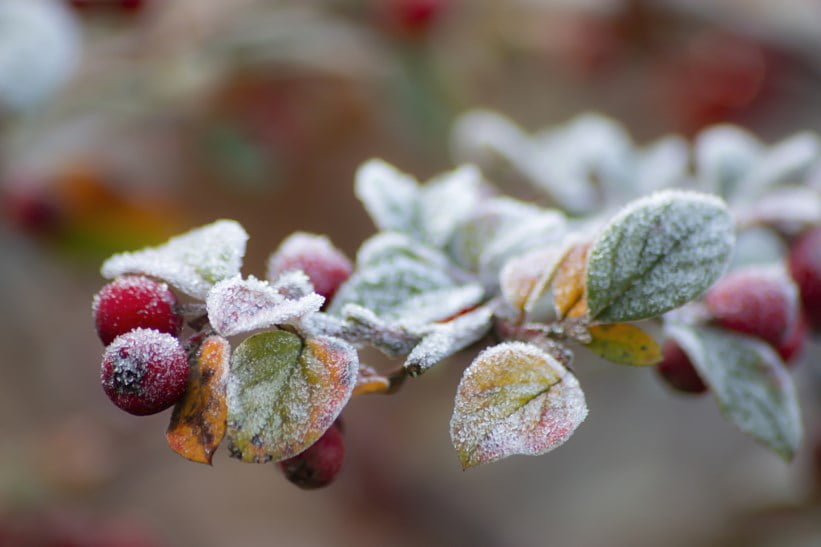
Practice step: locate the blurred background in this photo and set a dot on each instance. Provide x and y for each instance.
(123, 122)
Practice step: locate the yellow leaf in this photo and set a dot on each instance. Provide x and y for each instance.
(624, 344)
(199, 420)
(568, 282)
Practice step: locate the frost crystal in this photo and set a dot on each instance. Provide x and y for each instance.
(514, 399)
(657, 254)
(192, 262)
(239, 305)
(442, 340)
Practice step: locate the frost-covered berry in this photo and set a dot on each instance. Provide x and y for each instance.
(319, 464)
(144, 371)
(805, 267)
(131, 302)
(755, 301)
(325, 265)
(677, 370)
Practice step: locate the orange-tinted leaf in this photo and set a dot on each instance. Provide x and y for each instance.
(514, 399)
(624, 344)
(370, 381)
(569, 280)
(285, 392)
(198, 423)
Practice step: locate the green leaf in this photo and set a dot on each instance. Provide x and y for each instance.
(624, 344)
(389, 196)
(192, 262)
(752, 387)
(657, 254)
(284, 393)
(514, 399)
(400, 287)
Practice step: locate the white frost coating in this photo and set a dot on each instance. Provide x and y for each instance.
(441, 340)
(39, 49)
(292, 284)
(239, 305)
(657, 254)
(752, 387)
(447, 200)
(385, 246)
(437, 305)
(388, 195)
(514, 399)
(192, 262)
(662, 164)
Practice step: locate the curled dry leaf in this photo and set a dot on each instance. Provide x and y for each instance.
(514, 398)
(198, 422)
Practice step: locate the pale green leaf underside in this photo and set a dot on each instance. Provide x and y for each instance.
(752, 387)
(658, 254)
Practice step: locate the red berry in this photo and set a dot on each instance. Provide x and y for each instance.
(805, 267)
(325, 265)
(120, 5)
(755, 301)
(678, 371)
(144, 371)
(319, 464)
(411, 18)
(131, 302)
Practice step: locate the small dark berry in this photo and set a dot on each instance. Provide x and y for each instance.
(677, 370)
(325, 265)
(135, 302)
(805, 267)
(144, 371)
(319, 464)
(755, 301)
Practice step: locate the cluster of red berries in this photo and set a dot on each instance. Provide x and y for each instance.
(753, 302)
(145, 365)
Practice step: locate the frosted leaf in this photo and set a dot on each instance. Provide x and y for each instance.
(239, 305)
(360, 326)
(752, 387)
(192, 262)
(441, 340)
(525, 278)
(500, 229)
(657, 254)
(199, 420)
(283, 393)
(482, 136)
(405, 289)
(791, 206)
(389, 196)
(447, 200)
(514, 399)
(40, 46)
(662, 164)
(788, 161)
(545, 228)
(386, 246)
(724, 156)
